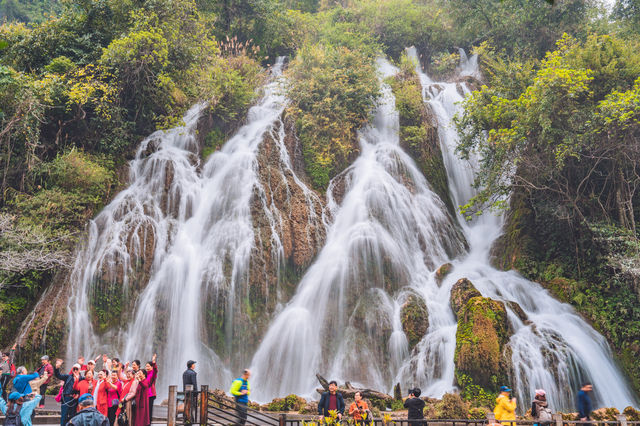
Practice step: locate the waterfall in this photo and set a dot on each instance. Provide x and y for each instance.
(189, 231)
(389, 233)
(555, 349)
(179, 256)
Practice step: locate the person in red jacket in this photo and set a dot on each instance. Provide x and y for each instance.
(85, 384)
(101, 394)
(141, 417)
(45, 368)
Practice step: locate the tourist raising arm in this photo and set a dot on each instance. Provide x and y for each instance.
(18, 402)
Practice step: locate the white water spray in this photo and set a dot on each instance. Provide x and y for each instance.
(554, 349)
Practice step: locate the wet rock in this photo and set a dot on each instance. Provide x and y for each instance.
(461, 292)
(44, 331)
(517, 309)
(481, 339)
(442, 272)
(415, 319)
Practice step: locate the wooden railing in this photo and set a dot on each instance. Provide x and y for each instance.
(206, 408)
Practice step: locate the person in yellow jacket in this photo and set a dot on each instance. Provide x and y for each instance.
(505, 407)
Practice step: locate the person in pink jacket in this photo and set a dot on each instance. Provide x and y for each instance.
(152, 374)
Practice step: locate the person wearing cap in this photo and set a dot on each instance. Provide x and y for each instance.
(540, 408)
(45, 370)
(505, 408)
(5, 370)
(19, 406)
(415, 407)
(68, 404)
(88, 414)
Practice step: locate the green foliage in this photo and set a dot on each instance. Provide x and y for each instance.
(520, 27)
(333, 92)
(451, 406)
(546, 138)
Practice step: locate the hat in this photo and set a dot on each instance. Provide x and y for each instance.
(91, 362)
(540, 392)
(504, 389)
(15, 395)
(190, 363)
(85, 396)
(78, 366)
(45, 358)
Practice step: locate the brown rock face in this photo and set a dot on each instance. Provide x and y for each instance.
(462, 291)
(44, 331)
(288, 227)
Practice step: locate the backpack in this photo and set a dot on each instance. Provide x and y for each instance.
(13, 370)
(544, 414)
(12, 417)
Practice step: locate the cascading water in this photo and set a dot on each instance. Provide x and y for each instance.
(198, 225)
(555, 349)
(388, 233)
(172, 254)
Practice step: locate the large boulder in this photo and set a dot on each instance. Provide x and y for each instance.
(482, 358)
(461, 292)
(415, 319)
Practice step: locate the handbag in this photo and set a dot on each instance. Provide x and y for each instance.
(58, 397)
(123, 420)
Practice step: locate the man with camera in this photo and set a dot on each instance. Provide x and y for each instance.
(415, 405)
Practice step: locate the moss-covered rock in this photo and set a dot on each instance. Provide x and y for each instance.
(442, 272)
(461, 292)
(415, 319)
(481, 345)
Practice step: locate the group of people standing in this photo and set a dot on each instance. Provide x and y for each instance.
(118, 393)
(505, 409)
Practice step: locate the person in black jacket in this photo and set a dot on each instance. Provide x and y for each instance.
(415, 406)
(189, 377)
(68, 403)
(331, 400)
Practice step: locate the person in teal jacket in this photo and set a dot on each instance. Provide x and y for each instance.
(240, 389)
(17, 400)
(21, 382)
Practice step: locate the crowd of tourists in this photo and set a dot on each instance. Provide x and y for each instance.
(123, 394)
(116, 394)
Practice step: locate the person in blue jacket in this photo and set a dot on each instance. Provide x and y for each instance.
(330, 401)
(584, 402)
(18, 403)
(21, 382)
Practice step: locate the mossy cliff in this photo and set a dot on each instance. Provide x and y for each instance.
(591, 266)
(418, 134)
(482, 357)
